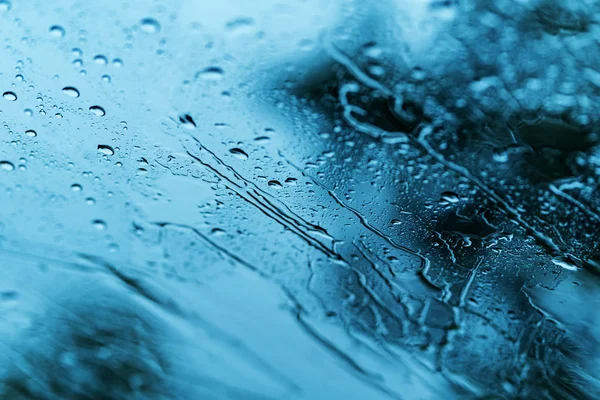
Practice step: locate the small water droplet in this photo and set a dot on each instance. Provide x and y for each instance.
(78, 62)
(99, 111)
(100, 59)
(239, 153)
(76, 187)
(10, 96)
(31, 133)
(5, 6)
(117, 62)
(57, 31)
(71, 91)
(99, 224)
(19, 78)
(28, 112)
(90, 201)
(106, 78)
(150, 25)
(7, 166)
(275, 184)
(105, 149)
(211, 74)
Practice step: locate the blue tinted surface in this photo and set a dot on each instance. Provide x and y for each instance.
(299, 199)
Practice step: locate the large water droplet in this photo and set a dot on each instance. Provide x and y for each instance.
(150, 25)
(71, 91)
(239, 153)
(211, 74)
(99, 111)
(11, 96)
(106, 149)
(5, 6)
(57, 31)
(449, 197)
(566, 262)
(31, 133)
(7, 166)
(187, 121)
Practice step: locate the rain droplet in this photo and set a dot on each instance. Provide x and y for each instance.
(100, 59)
(99, 224)
(187, 121)
(150, 25)
(76, 187)
(566, 262)
(449, 197)
(275, 184)
(7, 166)
(239, 153)
(105, 149)
(57, 31)
(5, 6)
(262, 139)
(71, 91)
(78, 62)
(117, 62)
(211, 74)
(239, 24)
(218, 232)
(31, 133)
(106, 78)
(11, 96)
(90, 201)
(99, 111)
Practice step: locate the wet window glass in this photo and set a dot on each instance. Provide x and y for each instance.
(299, 199)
